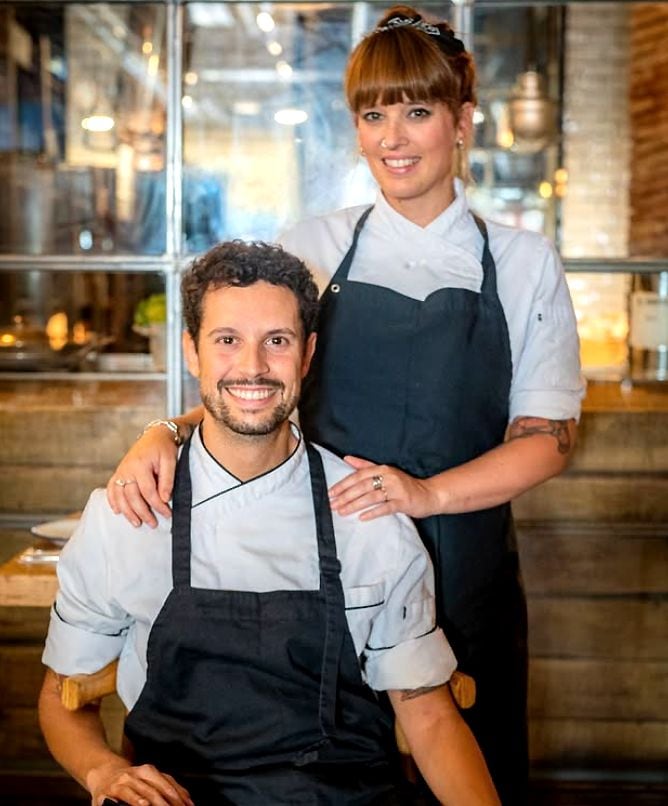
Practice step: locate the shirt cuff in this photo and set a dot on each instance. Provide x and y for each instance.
(551, 405)
(417, 663)
(72, 650)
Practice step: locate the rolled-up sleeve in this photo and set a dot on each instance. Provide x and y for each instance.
(547, 381)
(86, 630)
(405, 648)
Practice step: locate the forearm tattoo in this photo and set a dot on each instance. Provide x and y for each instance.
(412, 693)
(528, 426)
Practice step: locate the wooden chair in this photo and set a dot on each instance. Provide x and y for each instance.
(80, 689)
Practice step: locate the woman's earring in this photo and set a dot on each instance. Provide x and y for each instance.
(460, 143)
(362, 152)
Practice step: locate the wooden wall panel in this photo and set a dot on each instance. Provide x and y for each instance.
(599, 498)
(20, 736)
(21, 674)
(593, 559)
(627, 442)
(23, 623)
(599, 689)
(598, 628)
(583, 743)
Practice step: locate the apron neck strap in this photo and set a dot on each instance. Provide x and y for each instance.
(329, 563)
(181, 511)
(488, 264)
(330, 587)
(344, 267)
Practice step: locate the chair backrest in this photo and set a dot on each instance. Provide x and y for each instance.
(80, 689)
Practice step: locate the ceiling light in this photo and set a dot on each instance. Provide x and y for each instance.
(545, 190)
(290, 117)
(153, 64)
(191, 78)
(247, 108)
(275, 48)
(265, 22)
(284, 69)
(98, 123)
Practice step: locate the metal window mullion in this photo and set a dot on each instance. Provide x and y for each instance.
(462, 21)
(174, 205)
(93, 263)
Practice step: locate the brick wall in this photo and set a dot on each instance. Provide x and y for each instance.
(597, 146)
(648, 107)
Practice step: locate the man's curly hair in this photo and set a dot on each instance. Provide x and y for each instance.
(238, 263)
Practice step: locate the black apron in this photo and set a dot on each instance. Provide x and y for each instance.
(257, 698)
(424, 386)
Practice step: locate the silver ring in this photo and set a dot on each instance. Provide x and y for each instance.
(377, 482)
(123, 482)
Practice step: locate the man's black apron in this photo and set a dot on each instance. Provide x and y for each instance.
(257, 698)
(424, 386)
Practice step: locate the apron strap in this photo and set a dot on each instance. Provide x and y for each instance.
(330, 586)
(488, 266)
(181, 509)
(344, 267)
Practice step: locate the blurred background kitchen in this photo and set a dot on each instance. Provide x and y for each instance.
(135, 135)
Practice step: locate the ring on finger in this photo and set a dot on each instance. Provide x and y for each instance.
(377, 482)
(123, 482)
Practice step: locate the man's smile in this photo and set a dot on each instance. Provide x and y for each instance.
(252, 393)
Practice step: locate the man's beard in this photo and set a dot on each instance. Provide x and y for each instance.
(221, 413)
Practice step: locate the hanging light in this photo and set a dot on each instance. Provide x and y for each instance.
(531, 112)
(290, 117)
(98, 123)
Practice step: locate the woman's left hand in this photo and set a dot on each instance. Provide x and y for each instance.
(377, 490)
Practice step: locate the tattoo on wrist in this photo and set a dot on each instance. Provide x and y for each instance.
(412, 693)
(528, 426)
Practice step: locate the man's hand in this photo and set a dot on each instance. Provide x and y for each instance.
(78, 742)
(137, 786)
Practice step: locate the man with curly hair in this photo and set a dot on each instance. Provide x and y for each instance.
(255, 629)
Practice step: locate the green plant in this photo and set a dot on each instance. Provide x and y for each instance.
(151, 311)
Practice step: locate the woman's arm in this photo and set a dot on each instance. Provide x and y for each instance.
(147, 471)
(77, 741)
(536, 449)
(443, 747)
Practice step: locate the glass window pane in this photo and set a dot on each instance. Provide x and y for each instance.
(268, 138)
(82, 321)
(82, 128)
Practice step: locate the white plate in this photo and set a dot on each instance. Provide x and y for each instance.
(58, 531)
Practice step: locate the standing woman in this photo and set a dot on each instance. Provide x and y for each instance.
(447, 368)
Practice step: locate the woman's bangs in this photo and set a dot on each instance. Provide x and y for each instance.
(399, 75)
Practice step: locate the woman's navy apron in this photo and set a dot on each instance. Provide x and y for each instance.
(424, 386)
(257, 698)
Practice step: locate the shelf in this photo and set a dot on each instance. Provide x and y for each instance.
(83, 376)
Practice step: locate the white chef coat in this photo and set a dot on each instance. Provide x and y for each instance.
(416, 261)
(260, 536)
